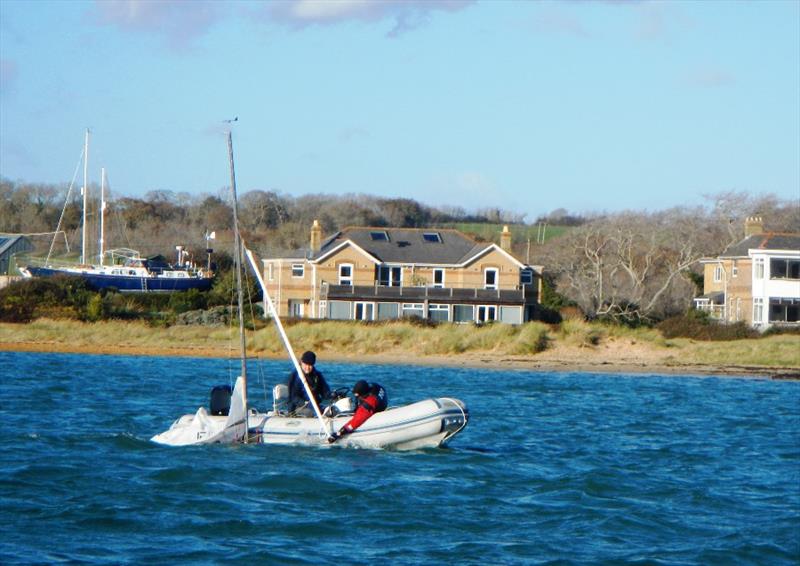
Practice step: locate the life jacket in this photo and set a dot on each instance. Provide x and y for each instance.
(377, 391)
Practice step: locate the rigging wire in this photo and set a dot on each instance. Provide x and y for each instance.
(64, 209)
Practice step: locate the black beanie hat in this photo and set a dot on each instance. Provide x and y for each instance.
(309, 358)
(361, 387)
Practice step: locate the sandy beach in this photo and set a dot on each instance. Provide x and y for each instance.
(612, 357)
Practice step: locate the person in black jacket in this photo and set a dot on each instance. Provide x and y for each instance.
(298, 399)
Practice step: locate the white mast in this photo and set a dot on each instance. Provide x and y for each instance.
(85, 192)
(102, 211)
(237, 262)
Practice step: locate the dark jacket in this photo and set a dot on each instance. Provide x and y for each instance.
(297, 393)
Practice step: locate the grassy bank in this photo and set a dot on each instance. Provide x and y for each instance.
(570, 343)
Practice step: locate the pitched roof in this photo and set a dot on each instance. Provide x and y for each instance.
(408, 245)
(769, 241)
(7, 241)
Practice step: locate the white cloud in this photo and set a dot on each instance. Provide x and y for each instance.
(406, 14)
(179, 22)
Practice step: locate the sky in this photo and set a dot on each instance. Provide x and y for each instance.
(590, 106)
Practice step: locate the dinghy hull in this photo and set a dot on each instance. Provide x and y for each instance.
(426, 424)
(204, 428)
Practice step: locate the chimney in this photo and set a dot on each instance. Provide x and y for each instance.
(505, 239)
(753, 226)
(316, 237)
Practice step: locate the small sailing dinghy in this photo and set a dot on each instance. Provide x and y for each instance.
(429, 423)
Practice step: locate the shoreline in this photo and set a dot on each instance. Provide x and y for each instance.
(474, 360)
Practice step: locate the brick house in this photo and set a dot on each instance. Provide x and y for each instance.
(756, 280)
(364, 273)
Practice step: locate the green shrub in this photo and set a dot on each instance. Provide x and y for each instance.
(700, 327)
(95, 308)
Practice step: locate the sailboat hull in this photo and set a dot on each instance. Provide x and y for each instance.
(426, 424)
(124, 283)
(204, 428)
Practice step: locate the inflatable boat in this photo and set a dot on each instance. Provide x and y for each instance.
(425, 424)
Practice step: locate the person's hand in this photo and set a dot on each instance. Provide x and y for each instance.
(333, 437)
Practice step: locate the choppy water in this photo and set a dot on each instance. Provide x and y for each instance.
(560, 468)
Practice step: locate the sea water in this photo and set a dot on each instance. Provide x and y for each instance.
(554, 468)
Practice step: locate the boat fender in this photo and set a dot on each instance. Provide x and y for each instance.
(220, 400)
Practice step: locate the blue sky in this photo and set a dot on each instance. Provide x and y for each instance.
(525, 106)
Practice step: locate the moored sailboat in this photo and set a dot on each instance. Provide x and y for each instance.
(127, 271)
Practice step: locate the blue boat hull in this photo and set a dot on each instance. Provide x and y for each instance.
(128, 283)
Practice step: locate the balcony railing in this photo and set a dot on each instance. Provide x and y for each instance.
(522, 295)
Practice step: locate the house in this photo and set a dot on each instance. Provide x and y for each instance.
(9, 246)
(756, 280)
(364, 273)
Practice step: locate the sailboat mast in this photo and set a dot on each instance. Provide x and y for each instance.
(85, 194)
(102, 211)
(237, 262)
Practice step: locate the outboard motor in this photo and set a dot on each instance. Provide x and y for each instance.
(220, 400)
(280, 398)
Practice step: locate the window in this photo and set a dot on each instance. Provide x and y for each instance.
(298, 270)
(413, 309)
(734, 270)
(388, 311)
(784, 268)
(296, 308)
(526, 277)
(759, 268)
(758, 311)
(346, 274)
(339, 310)
(438, 277)
(364, 311)
(379, 236)
(490, 278)
(439, 313)
(463, 313)
(390, 276)
(511, 315)
(271, 271)
(432, 237)
(487, 313)
(784, 309)
(717, 274)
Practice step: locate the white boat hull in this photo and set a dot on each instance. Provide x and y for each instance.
(426, 424)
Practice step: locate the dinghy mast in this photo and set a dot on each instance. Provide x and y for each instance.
(237, 262)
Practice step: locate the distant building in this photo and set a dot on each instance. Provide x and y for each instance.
(9, 246)
(756, 280)
(364, 273)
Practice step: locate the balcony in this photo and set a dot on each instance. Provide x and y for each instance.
(522, 295)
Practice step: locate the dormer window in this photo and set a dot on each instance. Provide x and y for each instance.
(379, 236)
(432, 237)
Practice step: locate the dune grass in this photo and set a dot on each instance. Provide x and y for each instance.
(572, 340)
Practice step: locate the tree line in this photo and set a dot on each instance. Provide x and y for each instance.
(629, 266)
(159, 220)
